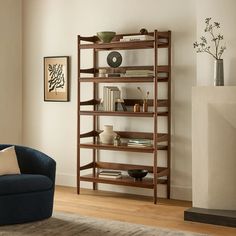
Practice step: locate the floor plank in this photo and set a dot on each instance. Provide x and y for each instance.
(133, 209)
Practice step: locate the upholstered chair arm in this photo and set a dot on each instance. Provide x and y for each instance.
(32, 161)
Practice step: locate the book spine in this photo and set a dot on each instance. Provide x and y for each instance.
(109, 99)
(112, 100)
(105, 98)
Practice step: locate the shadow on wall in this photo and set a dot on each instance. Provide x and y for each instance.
(232, 72)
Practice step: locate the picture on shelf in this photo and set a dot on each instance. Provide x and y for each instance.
(56, 82)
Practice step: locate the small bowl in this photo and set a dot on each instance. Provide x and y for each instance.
(137, 174)
(106, 36)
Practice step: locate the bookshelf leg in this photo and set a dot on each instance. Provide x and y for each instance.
(78, 182)
(95, 186)
(155, 195)
(168, 187)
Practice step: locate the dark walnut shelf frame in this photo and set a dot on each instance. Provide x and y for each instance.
(160, 107)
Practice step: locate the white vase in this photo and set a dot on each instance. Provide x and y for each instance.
(107, 136)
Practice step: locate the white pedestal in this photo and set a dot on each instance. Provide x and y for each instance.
(214, 147)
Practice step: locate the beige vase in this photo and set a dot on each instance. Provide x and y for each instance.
(107, 136)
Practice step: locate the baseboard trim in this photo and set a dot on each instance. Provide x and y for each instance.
(66, 180)
(181, 193)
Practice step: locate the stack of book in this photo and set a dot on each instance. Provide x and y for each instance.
(140, 143)
(136, 37)
(110, 174)
(111, 94)
(139, 73)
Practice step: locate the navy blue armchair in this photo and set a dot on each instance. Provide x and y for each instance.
(28, 196)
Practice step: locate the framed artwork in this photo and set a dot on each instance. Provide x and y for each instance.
(56, 81)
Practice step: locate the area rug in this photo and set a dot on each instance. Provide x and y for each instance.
(73, 225)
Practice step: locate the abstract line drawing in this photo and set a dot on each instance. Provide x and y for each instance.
(56, 78)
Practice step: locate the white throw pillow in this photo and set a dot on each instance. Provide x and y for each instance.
(8, 161)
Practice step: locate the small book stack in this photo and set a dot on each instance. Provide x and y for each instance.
(140, 143)
(136, 37)
(111, 94)
(110, 174)
(138, 73)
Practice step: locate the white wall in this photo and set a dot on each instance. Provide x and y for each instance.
(51, 27)
(11, 72)
(223, 12)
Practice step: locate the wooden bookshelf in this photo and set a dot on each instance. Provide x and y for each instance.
(159, 107)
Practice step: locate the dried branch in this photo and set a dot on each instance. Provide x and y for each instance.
(203, 46)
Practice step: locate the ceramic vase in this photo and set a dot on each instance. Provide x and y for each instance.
(107, 136)
(218, 72)
(145, 106)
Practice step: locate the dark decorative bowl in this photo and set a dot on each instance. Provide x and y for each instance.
(106, 36)
(137, 174)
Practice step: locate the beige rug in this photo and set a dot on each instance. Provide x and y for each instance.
(73, 225)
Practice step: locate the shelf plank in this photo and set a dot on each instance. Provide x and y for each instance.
(161, 35)
(122, 113)
(128, 102)
(112, 147)
(117, 113)
(92, 133)
(118, 79)
(125, 180)
(88, 166)
(129, 45)
(90, 102)
(125, 167)
(123, 69)
(160, 102)
(147, 79)
(161, 137)
(163, 172)
(123, 147)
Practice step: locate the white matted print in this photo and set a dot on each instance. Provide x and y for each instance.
(56, 82)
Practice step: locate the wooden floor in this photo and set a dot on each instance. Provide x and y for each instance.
(134, 209)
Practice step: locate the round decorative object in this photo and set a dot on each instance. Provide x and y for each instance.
(114, 59)
(143, 31)
(137, 174)
(107, 136)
